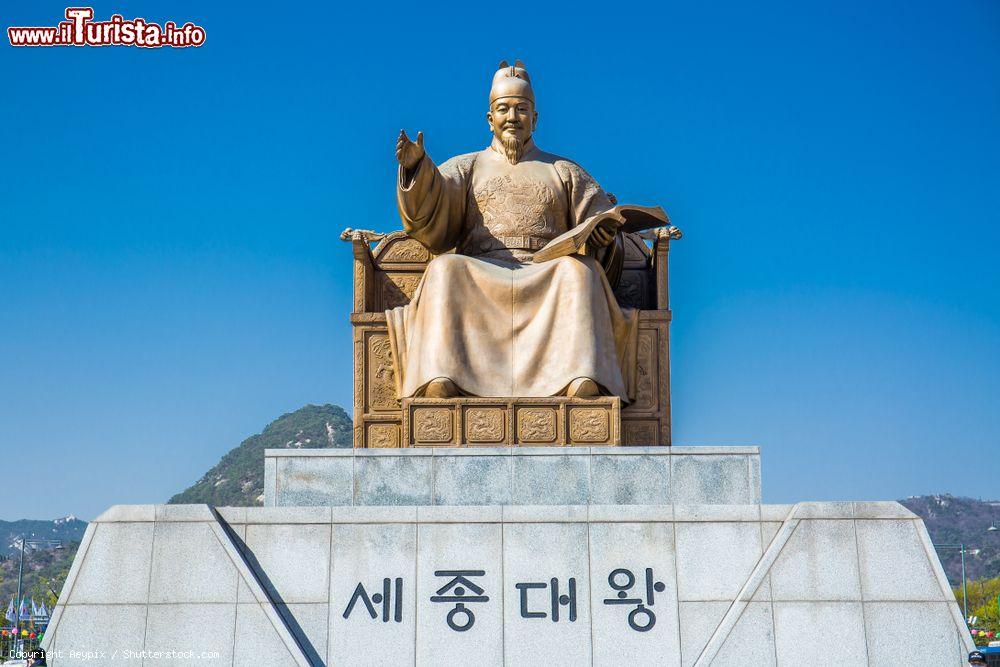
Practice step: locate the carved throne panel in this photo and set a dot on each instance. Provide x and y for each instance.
(387, 275)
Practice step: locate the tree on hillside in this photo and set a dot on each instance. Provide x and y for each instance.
(984, 600)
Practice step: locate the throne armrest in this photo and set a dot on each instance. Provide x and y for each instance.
(661, 237)
(364, 266)
(387, 275)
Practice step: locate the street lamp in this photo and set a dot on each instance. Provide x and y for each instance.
(34, 544)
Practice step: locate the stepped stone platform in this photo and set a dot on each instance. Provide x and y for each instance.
(512, 476)
(603, 583)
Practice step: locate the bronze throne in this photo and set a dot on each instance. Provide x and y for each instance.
(386, 275)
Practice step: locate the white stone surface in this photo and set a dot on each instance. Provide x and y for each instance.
(270, 481)
(374, 514)
(630, 480)
(545, 513)
(277, 515)
(630, 513)
(183, 630)
(368, 554)
(537, 554)
(255, 641)
(698, 620)
(708, 513)
(483, 479)
(98, 634)
(116, 570)
(128, 514)
(714, 559)
(460, 547)
(295, 559)
(719, 567)
(540, 478)
(768, 529)
(189, 565)
(882, 510)
(233, 515)
(177, 513)
(310, 624)
(714, 480)
(460, 514)
(917, 634)
(513, 475)
(314, 481)
(826, 633)
(825, 510)
(894, 565)
(393, 480)
(819, 562)
(751, 641)
(634, 547)
(775, 512)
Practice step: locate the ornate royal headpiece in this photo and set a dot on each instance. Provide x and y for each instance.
(511, 82)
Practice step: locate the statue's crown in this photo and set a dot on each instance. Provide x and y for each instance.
(511, 81)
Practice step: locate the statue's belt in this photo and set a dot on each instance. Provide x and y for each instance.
(513, 243)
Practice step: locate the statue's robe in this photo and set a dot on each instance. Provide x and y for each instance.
(486, 317)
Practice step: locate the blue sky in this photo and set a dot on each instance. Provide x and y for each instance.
(171, 278)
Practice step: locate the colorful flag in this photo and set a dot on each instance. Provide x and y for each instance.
(10, 612)
(22, 611)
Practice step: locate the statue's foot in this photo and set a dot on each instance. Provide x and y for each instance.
(441, 388)
(583, 388)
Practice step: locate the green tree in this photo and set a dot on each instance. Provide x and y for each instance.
(983, 604)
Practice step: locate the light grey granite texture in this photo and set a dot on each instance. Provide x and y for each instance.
(512, 476)
(850, 583)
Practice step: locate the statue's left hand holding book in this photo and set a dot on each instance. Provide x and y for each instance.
(624, 217)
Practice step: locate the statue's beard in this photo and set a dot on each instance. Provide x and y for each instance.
(513, 147)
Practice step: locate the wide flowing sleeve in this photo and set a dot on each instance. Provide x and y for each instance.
(431, 201)
(585, 199)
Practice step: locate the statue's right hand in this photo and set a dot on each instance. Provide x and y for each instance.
(409, 152)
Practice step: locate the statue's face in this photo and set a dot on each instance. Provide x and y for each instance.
(512, 117)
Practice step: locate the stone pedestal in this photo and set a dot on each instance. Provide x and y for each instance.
(382, 576)
(513, 476)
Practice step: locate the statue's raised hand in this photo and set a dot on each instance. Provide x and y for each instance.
(409, 152)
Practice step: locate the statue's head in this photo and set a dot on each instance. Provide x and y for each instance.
(512, 116)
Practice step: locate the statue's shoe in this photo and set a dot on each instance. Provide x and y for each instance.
(583, 388)
(441, 388)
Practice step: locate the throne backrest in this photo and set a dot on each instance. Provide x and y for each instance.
(399, 262)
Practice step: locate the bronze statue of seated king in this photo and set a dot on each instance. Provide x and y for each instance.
(479, 342)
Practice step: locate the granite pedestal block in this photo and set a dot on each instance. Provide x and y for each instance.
(509, 585)
(533, 556)
(512, 476)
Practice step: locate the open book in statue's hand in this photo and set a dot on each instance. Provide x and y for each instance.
(624, 217)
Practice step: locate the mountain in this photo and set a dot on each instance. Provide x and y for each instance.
(66, 529)
(238, 479)
(955, 520)
(45, 570)
(49, 550)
